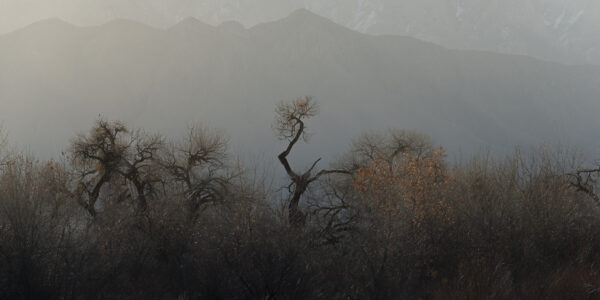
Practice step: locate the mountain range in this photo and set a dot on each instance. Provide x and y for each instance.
(566, 31)
(558, 30)
(57, 78)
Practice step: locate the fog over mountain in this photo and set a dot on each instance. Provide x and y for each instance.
(56, 79)
(557, 30)
(565, 31)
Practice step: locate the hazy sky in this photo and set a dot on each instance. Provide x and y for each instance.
(15, 14)
(77, 70)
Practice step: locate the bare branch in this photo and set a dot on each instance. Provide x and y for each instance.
(329, 172)
(584, 180)
(197, 165)
(290, 126)
(313, 166)
(290, 116)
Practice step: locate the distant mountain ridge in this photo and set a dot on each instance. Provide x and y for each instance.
(558, 30)
(55, 79)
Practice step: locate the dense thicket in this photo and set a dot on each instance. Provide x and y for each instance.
(125, 214)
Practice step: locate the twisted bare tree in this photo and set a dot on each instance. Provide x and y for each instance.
(290, 126)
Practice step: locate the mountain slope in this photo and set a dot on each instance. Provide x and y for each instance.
(231, 77)
(558, 30)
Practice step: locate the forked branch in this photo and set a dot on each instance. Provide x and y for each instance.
(290, 126)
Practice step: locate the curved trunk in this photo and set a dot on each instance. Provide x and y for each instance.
(295, 216)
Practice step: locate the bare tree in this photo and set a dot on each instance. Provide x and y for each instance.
(290, 126)
(197, 166)
(586, 181)
(139, 166)
(96, 158)
(388, 147)
(112, 152)
(338, 209)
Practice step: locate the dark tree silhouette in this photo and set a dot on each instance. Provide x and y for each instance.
(111, 151)
(196, 166)
(585, 181)
(290, 126)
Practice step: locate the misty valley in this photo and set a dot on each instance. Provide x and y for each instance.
(339, 150)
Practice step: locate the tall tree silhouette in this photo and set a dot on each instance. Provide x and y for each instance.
(290, 126)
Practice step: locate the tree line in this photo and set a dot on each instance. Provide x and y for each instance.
(129, 214)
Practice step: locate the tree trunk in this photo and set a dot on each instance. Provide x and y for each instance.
(295, 216)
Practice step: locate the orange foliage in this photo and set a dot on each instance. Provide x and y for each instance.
(411, 184)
